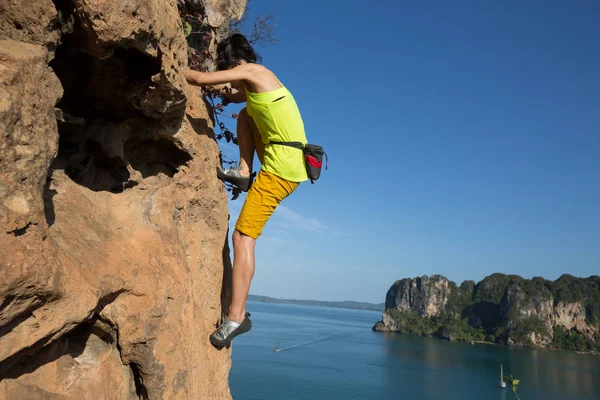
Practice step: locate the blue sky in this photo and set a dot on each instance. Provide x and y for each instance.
(463, 139)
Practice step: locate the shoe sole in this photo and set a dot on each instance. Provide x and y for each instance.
(241, 183)
(244, 327)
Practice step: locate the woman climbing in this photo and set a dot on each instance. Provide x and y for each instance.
(271, 115)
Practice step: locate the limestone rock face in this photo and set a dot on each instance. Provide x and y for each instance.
(219, 12)
(424, 295)
(113, 258)
(520, 306)
(501, 308)
(572, 316)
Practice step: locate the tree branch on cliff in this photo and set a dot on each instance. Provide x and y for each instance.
(263, 29)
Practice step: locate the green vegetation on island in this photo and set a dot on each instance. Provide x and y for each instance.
(507, 309)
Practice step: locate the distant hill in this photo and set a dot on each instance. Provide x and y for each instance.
(354, 305)
(508, 309)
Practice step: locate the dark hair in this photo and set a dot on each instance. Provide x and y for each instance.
(234, 49)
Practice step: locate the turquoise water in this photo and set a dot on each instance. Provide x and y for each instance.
(344, 359)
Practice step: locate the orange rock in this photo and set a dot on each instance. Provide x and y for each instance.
(114, 265)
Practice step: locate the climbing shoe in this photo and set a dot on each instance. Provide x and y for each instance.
(234, 176)
(229, 329)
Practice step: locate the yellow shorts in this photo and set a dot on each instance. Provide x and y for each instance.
(267, 191)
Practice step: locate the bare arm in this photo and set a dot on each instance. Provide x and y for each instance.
(256, 76)
(240, 73)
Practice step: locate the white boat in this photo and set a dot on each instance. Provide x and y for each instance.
(502, 383)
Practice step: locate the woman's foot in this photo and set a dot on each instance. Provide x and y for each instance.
(236, 177)
(229, 329)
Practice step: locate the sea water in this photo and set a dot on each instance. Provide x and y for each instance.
(332, 354)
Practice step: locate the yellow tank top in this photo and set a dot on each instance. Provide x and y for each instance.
(278, 119)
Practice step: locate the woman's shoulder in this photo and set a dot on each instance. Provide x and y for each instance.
(262, 79)
(258, 72)
(255, 68)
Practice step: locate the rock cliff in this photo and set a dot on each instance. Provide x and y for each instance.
(113, 253)
(501, 308)
(426, 296)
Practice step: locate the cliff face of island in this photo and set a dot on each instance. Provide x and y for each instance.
(505, 309)
(114, 266)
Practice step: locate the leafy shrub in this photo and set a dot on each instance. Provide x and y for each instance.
(492, 288)
(411, 323)
(526, 326)
(460, 297)
(573, 340)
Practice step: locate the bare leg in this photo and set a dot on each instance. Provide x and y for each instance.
(243, 271)
(249, 140)
(246, 134)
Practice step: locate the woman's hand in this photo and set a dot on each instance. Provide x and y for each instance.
(233, 95)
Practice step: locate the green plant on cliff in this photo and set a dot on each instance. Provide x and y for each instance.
(592, 301)
(199, 36)
(263, 28)
(573, 340)
(460, 298)
(513, 384)
(444, 326)
(459, 329)
(411, 323)
(525, 327)
(537, 287)
(568, 289)
(492, 288)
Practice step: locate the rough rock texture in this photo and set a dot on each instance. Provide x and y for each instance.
(388, 324)
(219, 12)
(571, 316)
(502, 308)
(209, 20)
(113, 251)
(33, 22)
(520, 305)
(424, 295)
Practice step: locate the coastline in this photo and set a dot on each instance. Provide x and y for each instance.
(483, 342)
(346, 305)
